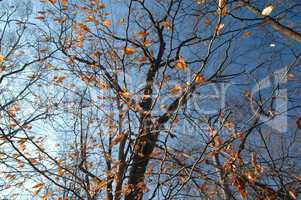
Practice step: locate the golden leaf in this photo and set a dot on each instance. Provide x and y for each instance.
(222, 7)
(167, 24)
(147, 43)
(22, 147)
(247, 34)
(60, 171)
(176, 89)
(103, 86)
(181, 64)
(90, 18)
(267, 10)
(2, 58)
(200, 79)
(106, 23)
(219, 28)
(64, 2)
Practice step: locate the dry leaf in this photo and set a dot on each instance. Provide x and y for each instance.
(143, 34)
(167, 24)
(52, 1)
(176, 89)
(2, 58)
(107, 23)
(222, 7)
(247, 34)
(200, 79)
(118, 139)
(40, 17)
(181, 64)
(267, 10)
(64, 2)
(39, 185)
(141, 59)
(84, 27)
(219, 28)
(129, 51)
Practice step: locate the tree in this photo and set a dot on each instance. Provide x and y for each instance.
(123, 102)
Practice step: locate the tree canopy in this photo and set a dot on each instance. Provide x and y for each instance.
(150, 99)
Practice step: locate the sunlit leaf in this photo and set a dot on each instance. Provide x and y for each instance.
(143, 34)
(267, 10)
(129, 51)
(2, 58)
(176, 89)
(181, 63)
(106, 23)
(219, 28)
(38, 185)
(222, 7)
(84, 27)
(64, 2)
(52, 1)
(200, 79)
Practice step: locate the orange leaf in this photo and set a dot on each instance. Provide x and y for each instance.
(84, 27)
(107, 23)
(90, 18)
(141, 59)
(200, 79)
(181, 64)
(65, 2)
(143, 34)
(129, 51)
(60, 171)
(2, 58)
(39, 185)
(147, 43)
(167, 24)
(176, 89)
(52, 1)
